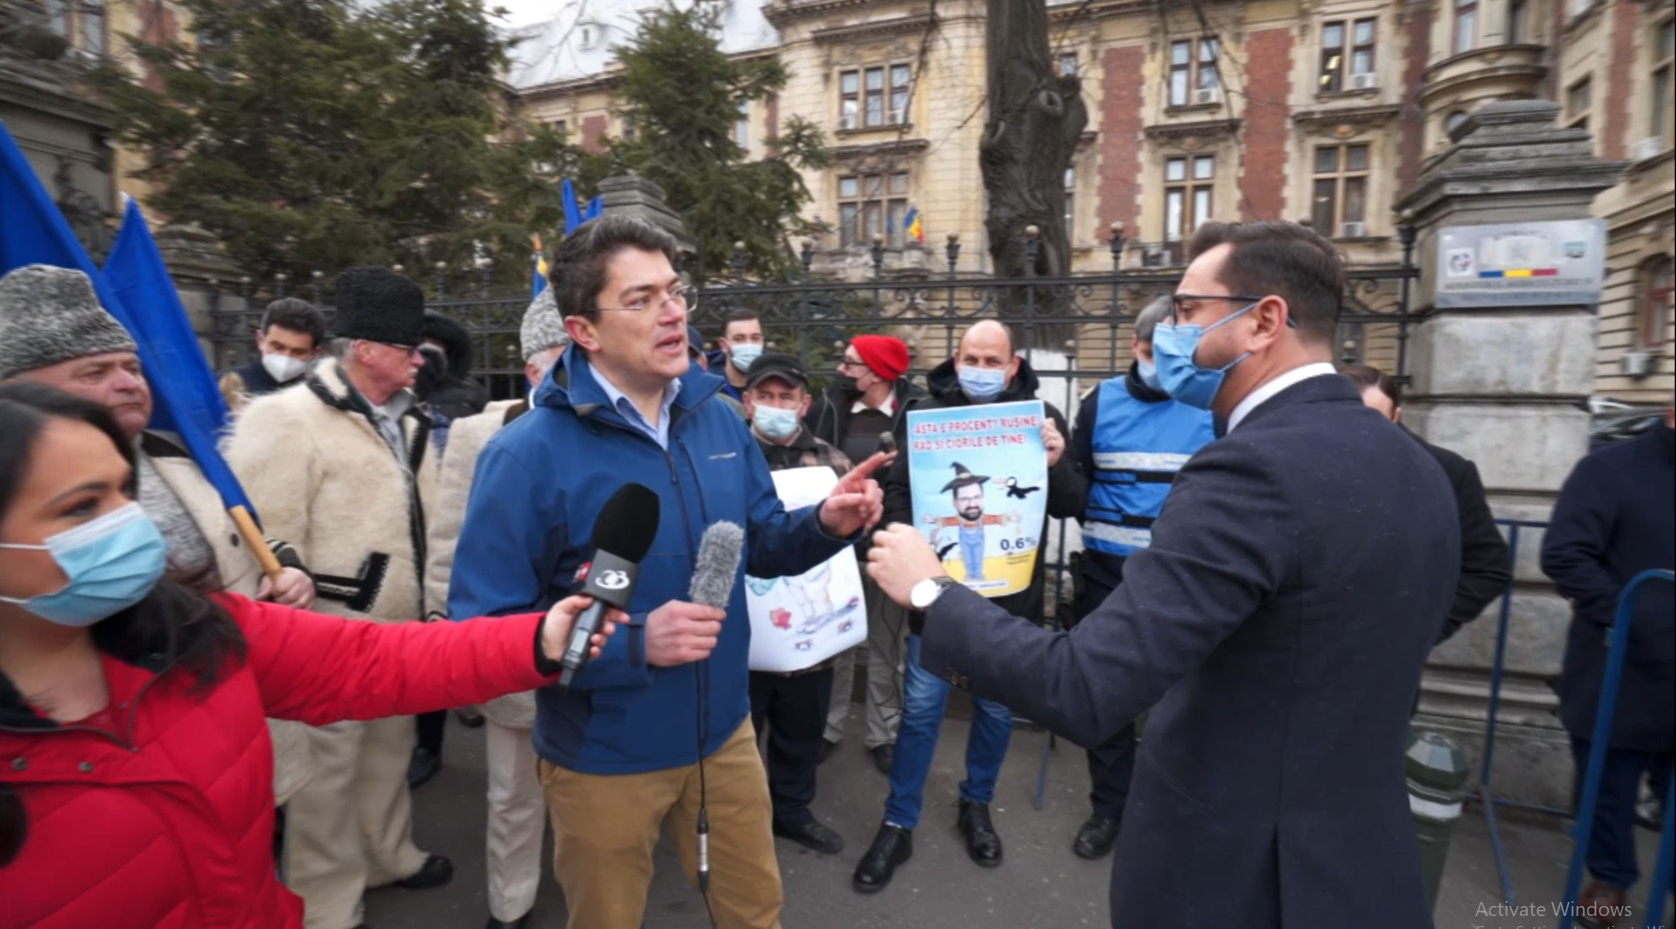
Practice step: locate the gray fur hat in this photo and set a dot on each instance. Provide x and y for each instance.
(48, 315)
(543, 328)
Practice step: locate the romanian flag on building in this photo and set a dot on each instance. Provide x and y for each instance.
(913, 225)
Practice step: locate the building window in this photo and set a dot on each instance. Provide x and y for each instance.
(1664, 91)
(1466, 25)
(1189, 187)
(1070, 204)
(1518, 22)
(82, 23)
(1068, 64)
(1193, 77)
(849, 99)
(1341, 190)
(1579, 99)
(561, 128)
(863, 94)
(630, 131)
(742, 126)
(1654, 301)
(901, 79)
(872, 205)
(1454, 120)
(1347, 55)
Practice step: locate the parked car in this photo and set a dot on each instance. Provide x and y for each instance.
(1612, 420)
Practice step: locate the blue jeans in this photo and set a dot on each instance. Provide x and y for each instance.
(926, 697)
(1611, 854)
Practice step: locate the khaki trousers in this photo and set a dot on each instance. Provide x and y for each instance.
(887, 635)
(351, 826)
(517, 818)
(605, 827)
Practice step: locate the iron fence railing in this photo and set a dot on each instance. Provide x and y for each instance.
(1073, 327)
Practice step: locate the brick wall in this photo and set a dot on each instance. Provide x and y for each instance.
(593, 133)
(1268, 88)
(1620, 79)
(1120, 136)
(1411, 143)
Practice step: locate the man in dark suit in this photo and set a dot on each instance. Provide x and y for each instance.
(1297, 577)
(1486, 565)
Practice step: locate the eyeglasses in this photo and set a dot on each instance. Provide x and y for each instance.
(404, 349)
(680, 294)
(1176, 300)
(848, 365)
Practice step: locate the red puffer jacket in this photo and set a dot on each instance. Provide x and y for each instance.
(166, 819)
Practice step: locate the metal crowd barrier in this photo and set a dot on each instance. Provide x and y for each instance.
(1604, 713)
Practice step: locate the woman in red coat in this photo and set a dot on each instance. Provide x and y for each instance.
(136, 775)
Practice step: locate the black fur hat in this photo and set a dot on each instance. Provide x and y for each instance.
(380, 306)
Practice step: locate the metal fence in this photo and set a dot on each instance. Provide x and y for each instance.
(1073, 327)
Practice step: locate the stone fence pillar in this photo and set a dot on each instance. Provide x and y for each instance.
(1503, 383)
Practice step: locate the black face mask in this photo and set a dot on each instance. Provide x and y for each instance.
(846, 385)
(431, 373)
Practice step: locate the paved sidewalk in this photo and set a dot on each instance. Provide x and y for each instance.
(1041, 884)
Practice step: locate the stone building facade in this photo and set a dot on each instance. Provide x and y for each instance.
(1317, 110)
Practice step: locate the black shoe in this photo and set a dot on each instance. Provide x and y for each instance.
(891, 847)
(827, 748)
(436, 871)
(884, 756)
(981, 841)
(470, 718)
(813, 836)
(518, 923)
(1096, 837)
(421, 767)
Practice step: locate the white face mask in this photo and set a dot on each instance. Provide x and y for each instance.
(283, 368)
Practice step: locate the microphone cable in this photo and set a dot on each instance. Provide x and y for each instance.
(701, 676)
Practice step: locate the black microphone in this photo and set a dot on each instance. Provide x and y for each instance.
(622, 536)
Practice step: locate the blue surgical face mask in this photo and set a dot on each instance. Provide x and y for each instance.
(982, 384)
(1173, 347)
(742, 354)
(1148, 372)
(112, 563)
(775, 424)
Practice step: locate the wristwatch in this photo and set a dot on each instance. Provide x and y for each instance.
(927, 591)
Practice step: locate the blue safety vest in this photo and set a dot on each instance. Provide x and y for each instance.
(1138, 448)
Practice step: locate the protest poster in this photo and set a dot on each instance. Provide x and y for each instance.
(979, 480)
(799, 622)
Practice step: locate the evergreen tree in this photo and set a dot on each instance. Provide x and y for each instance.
(320, 134)
(683, 94)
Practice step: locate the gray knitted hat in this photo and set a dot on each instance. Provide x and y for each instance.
(543, 328)
(48, 315)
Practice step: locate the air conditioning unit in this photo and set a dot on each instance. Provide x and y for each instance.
(846, 121)
(1207, 95)
(1635, 363)
(1647, 148)
(1352, 230)
(1155, 256)
(1576, 8)
(1366, 81)
(898, 117)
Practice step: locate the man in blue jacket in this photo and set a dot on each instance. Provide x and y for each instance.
(1130, 441)
(658, 725)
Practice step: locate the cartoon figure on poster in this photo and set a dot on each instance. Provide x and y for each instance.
(797, 622)
(977, 521)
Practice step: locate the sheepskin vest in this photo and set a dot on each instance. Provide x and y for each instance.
(322, 477)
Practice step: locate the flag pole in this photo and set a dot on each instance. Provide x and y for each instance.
(258, 545)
